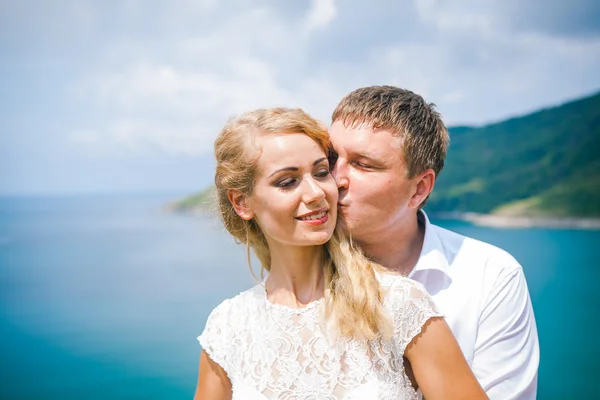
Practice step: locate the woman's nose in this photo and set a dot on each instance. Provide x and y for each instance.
(313, 191)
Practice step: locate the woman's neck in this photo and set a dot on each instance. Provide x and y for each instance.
(296, 277)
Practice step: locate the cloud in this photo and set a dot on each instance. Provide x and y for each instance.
(147, 77)
(577, 18)
(181, 102)
(86, 137)
(177, 96)
(559, 18)
(321, 13)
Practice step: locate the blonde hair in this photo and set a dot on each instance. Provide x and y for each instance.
(353, 295)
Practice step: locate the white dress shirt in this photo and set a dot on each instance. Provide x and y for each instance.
(483, 294)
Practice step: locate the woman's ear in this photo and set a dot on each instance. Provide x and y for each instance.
(239, 201)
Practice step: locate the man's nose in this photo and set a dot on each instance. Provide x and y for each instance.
(340, 175)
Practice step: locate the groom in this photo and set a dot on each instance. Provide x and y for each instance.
(390, 147)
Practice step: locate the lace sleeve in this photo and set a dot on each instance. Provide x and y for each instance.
(411, 308)
(214, 336)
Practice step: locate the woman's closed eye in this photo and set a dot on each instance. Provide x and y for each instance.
(322, 173)
(290, 182)
(286, 183)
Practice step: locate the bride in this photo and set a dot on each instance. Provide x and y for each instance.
(326, 323)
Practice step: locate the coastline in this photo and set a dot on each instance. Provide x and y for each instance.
(204, 203)
(501, 221)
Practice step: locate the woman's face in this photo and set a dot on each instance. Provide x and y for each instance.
(295, 197)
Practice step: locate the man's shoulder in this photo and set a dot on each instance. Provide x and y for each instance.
(470, 251)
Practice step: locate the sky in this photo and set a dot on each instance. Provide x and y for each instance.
(128, 95)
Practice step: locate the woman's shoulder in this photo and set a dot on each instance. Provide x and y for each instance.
(227, 321)
(237, 305)
(401, 293)
(395, 284)
(409, 305)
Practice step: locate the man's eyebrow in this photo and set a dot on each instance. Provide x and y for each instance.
(366, 156)
(295, 169)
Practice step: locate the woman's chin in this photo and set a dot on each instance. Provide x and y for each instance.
(320, 238)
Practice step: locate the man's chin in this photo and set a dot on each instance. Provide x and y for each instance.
(345, 222)
(351, 227)
(341, 219)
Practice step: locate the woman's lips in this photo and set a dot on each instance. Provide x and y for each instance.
(315, 218)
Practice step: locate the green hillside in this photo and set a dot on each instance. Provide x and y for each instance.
(543, 164)
(198, 202)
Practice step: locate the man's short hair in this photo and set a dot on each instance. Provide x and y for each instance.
(423, 136)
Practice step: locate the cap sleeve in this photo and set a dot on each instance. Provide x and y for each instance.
(411, 308)
(214, 336)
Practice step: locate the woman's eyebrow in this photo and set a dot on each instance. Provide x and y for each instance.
(320, 160)
(295, 169)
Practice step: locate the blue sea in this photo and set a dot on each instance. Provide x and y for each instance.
(103, 297)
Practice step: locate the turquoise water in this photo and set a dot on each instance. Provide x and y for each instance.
(103, 297)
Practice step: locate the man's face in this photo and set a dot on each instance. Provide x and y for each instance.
(372, 178)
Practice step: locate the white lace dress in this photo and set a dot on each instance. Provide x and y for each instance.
(270, 351)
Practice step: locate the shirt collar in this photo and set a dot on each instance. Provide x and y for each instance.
(432, 254)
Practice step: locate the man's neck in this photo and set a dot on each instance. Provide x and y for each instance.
(398, 249)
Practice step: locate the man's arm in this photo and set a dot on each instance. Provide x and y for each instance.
(506, 355)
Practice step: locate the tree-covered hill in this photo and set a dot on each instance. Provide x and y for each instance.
(542, 164)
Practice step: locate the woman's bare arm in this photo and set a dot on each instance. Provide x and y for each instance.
(213, 383)
(439, 366)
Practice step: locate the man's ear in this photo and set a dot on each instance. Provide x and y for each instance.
(239, 201)
(425, 182)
